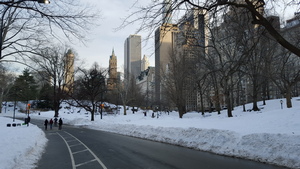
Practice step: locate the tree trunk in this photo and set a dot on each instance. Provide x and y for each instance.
(124, 107)
(255, 107)
(181, 110)
(227, 99)
(55, 101)
(92, 114)
(254, 96)
(228, 103)
(202, 105)
(288, 97)
(264, 91)
(218, 105)
(1, 100)
(56, 108)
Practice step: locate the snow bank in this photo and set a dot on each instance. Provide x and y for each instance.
(21, 146)
(278, 149)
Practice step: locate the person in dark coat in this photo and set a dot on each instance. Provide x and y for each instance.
(55, 122)
(28, 120)
(46, 124)
(50, 124)
(60, 123)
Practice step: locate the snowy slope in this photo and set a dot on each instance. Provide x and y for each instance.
(271, 135)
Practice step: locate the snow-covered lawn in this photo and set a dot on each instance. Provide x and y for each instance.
(21, 146)
(271, 135)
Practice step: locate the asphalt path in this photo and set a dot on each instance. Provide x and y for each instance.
(81, 148)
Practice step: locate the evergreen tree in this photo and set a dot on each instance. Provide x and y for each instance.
(45, 97)
(24, 88)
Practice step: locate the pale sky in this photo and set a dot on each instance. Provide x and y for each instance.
(104, 38)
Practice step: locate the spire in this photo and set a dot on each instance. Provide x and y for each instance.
(113, 56)
(113, 52)
(69, 51)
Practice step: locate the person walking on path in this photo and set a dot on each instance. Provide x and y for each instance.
(60, 123)
(46, 124)
(28, 120)
(50, 124)
(55, 121)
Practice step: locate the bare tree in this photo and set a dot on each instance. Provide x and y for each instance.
(229, 49)
(284, 67)
(226, 55)
(26, 25)
(130, 93)
(285, 73)
(204, 82)
(6, 82)
(113, 96)
(178, 80)
(157, 12)
(89, 89)
(52, 65)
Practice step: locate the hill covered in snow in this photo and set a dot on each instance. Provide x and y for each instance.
(271, 135)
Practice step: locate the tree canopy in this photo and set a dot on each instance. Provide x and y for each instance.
(27, 25)
(157, 13)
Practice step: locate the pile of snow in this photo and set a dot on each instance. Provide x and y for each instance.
(271, 135)
(21, 146)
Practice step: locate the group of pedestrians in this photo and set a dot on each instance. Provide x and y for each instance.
(50, 122)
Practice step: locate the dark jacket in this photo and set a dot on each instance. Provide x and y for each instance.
(60, 122)
(46, 122)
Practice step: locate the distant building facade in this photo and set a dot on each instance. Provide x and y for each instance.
(191, 43)
(145, 63)
(187, 39)
(132, 56)
(112, 72)
(292, 32)
(146, 81)
(164, 43)
(69, 71)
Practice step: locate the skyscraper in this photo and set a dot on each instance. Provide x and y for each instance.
(190, 44)
(69, 71)
(164, 38)
(164, 41)
(112, 80)
(132, 56)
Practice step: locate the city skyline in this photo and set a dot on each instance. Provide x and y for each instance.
(104, 38)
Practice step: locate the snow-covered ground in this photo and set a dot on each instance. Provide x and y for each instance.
(271, 135)
(21, 146)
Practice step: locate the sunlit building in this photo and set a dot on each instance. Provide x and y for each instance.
(112, 72)
(69, 71)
